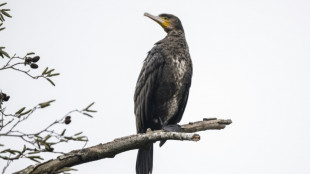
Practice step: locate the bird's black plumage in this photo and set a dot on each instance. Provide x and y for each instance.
(163, 85)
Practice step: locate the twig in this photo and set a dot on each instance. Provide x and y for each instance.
(28, 61)
(13, 66)
(6, 166)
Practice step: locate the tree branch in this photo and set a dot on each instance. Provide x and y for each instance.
(119, 145)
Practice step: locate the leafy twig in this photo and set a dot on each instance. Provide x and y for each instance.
(40, 141)
(27, 60)
(3, 13)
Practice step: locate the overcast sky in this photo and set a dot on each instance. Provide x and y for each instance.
(251, 64)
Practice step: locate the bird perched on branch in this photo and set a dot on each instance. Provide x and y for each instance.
(163, 86)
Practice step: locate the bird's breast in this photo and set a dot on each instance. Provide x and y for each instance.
(179, 68)
(172, 85)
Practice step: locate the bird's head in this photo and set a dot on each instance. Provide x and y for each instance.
(169, 22)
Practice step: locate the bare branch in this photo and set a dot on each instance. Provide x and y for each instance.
(110, 149)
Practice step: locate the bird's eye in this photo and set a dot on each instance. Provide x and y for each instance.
(165, 18)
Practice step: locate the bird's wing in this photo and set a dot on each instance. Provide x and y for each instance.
(146, 84)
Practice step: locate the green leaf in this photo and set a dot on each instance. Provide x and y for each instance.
(90, 110)
(30, 53)
(11, 152)
(1, 18)
(48, 72)
(78, 134)
(44, 72)
(63, 141)
(45, 104)
(35, 160)
(81, 138)
(20, 110)
(89, 106)
(88, 115)
(27, 112)
(3, 4)
(5, 53)
(2, 28)
(51, 75)
(6, 14)
(63, 132)
(68, 138)
(51, 101)
(47, 137)
(35, 152)
(38, 157)
(24, 149)
(50, 81)
(66, 169)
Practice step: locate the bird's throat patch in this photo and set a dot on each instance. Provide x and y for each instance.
(165, 23)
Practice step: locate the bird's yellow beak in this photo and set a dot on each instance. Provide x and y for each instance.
(160, 20)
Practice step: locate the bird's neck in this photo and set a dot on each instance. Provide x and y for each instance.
(175, 33)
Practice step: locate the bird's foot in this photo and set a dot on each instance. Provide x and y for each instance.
(169, 128)
(172, 128)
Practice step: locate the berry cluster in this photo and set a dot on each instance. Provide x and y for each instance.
(4, 97)
(31, 61)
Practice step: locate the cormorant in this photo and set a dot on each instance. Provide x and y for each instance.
(163, 86)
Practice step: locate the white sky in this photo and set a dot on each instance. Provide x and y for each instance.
(251, 64)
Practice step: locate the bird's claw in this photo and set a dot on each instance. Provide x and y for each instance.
(172, 128)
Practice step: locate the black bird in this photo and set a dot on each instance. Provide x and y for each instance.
(163, 86)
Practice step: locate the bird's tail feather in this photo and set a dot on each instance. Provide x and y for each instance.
(144, 164)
